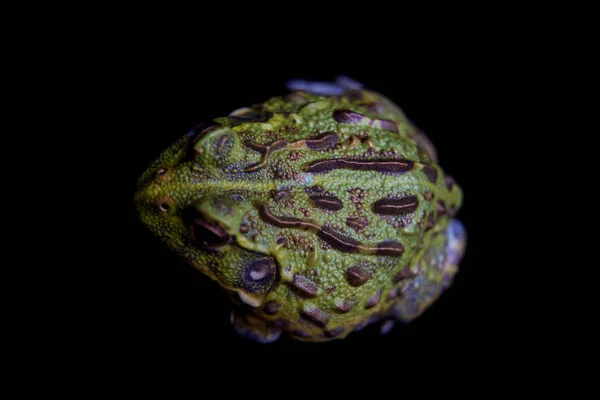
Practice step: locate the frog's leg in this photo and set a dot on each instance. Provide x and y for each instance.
(437, 268)
(337, 88)
(251, 327)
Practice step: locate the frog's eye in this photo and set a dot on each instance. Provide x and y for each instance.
(208, 234)
(258, 275)
(215, 145)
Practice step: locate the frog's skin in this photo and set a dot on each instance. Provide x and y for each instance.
(319, 213)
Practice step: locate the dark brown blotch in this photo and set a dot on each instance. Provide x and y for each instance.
(345, 306)
(449, 182)
(394, 293)
(253, 116)
(374, 300)
(431, 173)
(331, 333)
(390, 248)
(388, 125)
(330, 203)
(281, 195)
(430, 222)
(316, 315)
(441, 208)
(272, 307)
(305, 286)
(357, 275)
(405, 273)
(404, 205)
(347, 117)
(323, 142)
(281, 323)
(357, 223)
(301, 333)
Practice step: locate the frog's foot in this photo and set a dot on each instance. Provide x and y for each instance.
(456, 243)
(337, 88)
(442, 259)
(253, 328)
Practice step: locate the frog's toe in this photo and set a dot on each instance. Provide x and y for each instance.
(253, 328)
(387, 326)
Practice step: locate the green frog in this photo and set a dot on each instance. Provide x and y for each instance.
(319, 212)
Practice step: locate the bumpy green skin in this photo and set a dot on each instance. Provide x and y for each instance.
(293, 278)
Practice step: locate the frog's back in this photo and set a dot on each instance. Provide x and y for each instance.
(335, 211)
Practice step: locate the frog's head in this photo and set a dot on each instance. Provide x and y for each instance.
(186, 199)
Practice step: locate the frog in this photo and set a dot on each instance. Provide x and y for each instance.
(319, 212)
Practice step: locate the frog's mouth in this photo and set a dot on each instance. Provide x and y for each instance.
(206, 232)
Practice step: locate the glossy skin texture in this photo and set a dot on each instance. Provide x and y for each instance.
(318, 214)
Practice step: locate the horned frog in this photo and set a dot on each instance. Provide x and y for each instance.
(319, 212)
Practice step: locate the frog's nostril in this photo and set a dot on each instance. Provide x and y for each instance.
(164, 204)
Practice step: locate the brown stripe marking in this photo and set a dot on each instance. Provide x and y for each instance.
(390, 248)
(334, 332)
(330, 203)
(316, 315)
(348, 117)
(265, 150)
(322, 142)
(336, 240)
(305, 286)
(374, 300)
(340, 242)
(352, 117)
(400, 206)
(383, 166)
(387, 125)
(345, 305)
(384, 124)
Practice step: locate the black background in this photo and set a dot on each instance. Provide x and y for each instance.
(457, 97)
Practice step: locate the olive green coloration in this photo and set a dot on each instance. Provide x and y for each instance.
(318, 214)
